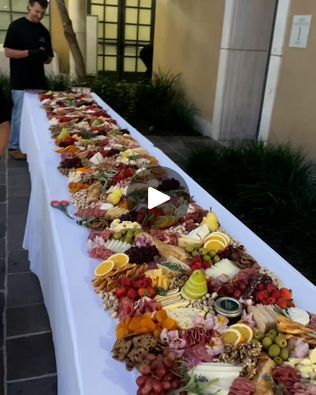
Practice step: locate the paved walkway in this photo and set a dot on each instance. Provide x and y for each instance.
(27, 363)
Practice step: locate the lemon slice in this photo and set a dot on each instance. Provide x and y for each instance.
(120, 260)
(231, 336)
(245, 331)
(216, 245)
(104, 268)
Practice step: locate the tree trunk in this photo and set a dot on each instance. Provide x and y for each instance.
(72, 40)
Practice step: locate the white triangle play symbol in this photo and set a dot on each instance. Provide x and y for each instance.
(155, 198)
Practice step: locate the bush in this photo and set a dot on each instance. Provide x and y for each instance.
(272, 189)
(59, 82)
(162, 106)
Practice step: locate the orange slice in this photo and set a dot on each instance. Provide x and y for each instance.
(218, 235)
(120, 260)
(245, 331)
(104, 268)
(231, 336)
(216, 245)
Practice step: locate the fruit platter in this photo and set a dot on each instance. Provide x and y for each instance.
(195, 312)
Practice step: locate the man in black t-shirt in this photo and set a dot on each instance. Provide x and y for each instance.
(28, 45)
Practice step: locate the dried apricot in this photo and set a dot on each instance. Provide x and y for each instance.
(161, 315)
(148, 323)
(169, 324)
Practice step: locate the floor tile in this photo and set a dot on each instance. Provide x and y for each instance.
(19, 185)
(2, 247)
(23, 289)
(2, 228)
(1, 374)
(18, 261)
(30, 356)
(27, 319)
(2, 273)
(18, 206)
(1, 318)
(3, 192)
(45, 386)
(16, 233)
(16, 163)
(3, 212)
(2, 178)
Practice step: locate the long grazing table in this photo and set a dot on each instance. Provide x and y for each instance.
(83, 333)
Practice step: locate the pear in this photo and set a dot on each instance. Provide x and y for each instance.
(195, 287)
(211, 221)
(63, 134)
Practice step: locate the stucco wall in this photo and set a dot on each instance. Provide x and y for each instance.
(187, 41)
(59, 41)
(294, 115)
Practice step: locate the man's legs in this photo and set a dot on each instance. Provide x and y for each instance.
(14, 146)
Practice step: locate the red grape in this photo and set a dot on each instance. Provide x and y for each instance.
(151, 357)
(144, 369)
(166, 385)
(147, 387)
(160, 372)
(141, 380)
(172, 356)
(167, 362)
(157, 386)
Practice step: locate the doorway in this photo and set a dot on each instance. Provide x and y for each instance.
(124, 28)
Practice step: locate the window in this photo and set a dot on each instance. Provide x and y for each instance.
(124, 28)
(14, 9)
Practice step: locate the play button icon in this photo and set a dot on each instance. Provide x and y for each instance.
(159, 196)
(155, 198)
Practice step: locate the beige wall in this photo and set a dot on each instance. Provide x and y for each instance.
(294, 115)
(59, 42)
(187, 41)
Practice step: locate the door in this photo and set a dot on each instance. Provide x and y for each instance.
(124, 28)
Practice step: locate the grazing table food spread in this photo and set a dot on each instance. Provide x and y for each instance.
(195, 312)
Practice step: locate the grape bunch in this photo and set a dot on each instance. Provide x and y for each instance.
(159, 374)
(169, 184)
(71, 163)
(127, 235)
(130, 216)
(142, 254)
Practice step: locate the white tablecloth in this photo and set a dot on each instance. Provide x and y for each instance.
(83, 333)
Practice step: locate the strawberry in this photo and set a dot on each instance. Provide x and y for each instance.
(261, 287)
(276, 294)
(151, 292)
(262, 295)
(143, 292)
(271, 300)
(120, 292)
(271, 288)
(126, 282)
(281, 302)
(132, 294)
(286, 293)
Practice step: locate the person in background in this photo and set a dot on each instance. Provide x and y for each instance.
(28, 45)
(146, 55)
(5, 116)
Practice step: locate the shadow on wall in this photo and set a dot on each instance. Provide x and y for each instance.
(52, 68)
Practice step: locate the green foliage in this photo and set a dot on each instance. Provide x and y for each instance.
(5, 84)
(59, 82)
(117, 94)
(156, 105)
(272, 189)
(162, 105)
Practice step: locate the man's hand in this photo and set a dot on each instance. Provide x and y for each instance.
(36, 52)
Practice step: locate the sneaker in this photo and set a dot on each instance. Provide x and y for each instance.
(16, 154)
